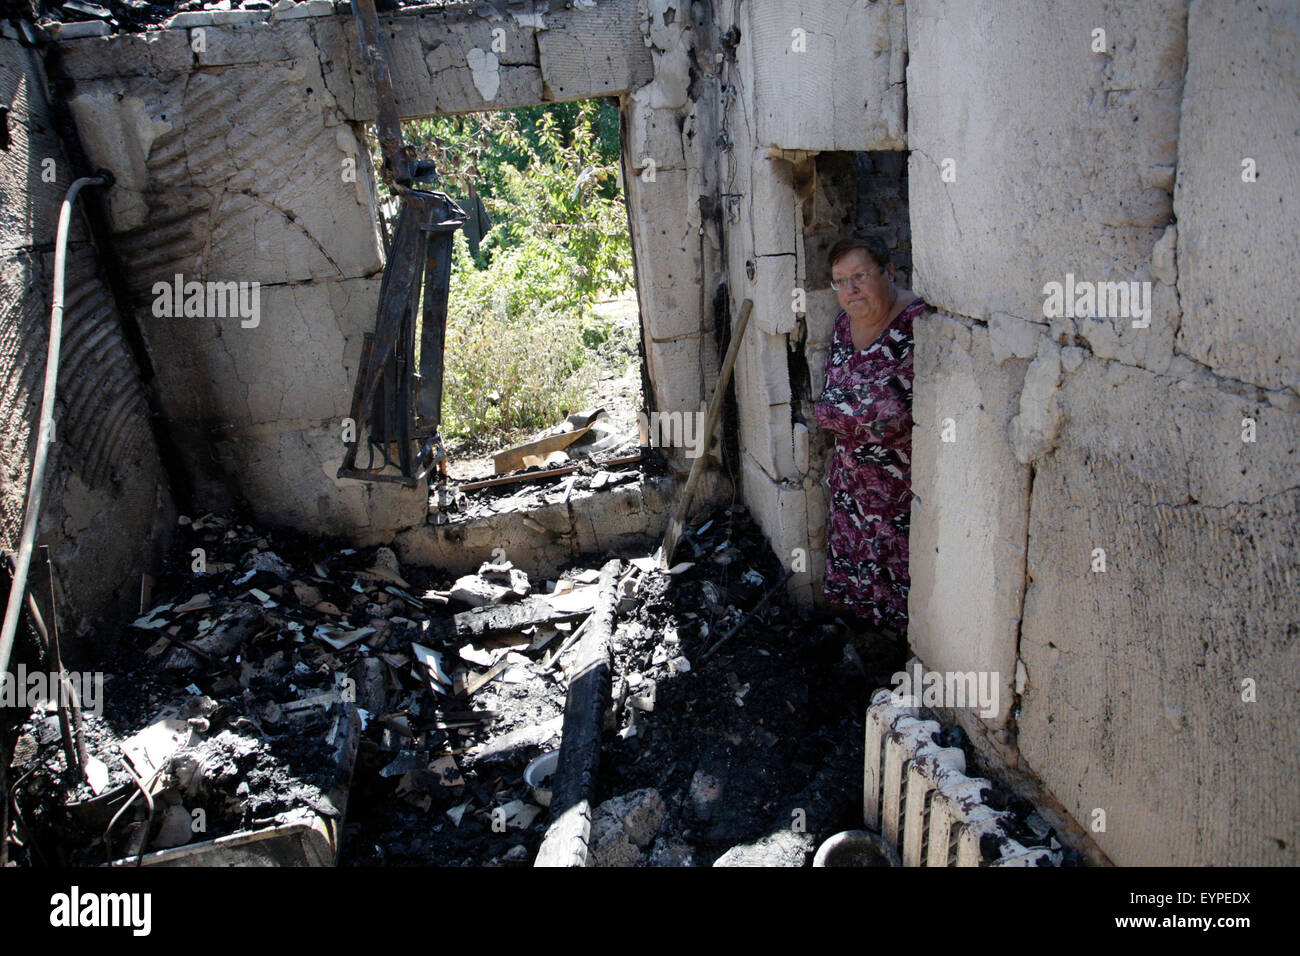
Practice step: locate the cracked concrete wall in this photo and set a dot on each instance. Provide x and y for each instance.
(238, 165)
(803, 78)
(107, 512)
(670, 128)
(1133, 704)
(233, 139)
(971, 506)
(1163, 453)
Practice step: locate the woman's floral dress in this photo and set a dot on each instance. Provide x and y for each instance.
(870, 473)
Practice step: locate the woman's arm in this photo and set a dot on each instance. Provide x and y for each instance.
(878, 417)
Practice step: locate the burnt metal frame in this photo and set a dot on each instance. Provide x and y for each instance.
(393, 403)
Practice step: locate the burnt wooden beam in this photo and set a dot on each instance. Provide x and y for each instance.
(388, 122)
(499, 619)
(574, 784)
(549, 473)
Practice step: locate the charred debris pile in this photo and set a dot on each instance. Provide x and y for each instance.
(687, 717)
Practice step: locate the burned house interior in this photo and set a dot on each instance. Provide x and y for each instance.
(279, 595)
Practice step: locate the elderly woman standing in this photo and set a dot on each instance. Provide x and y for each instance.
(867, 404)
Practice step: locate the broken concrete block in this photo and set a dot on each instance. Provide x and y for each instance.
(622, 827)
(1011, 336)
(502, 619)
(642, 694)
(476, 592)
(288, 10)
(189, 18)
(639, 813)
(176, 829)
(704, 794)
(515, 745)
(506, 576)
(1033, 432)
(244, 16)
(74, 31)
(783, 848)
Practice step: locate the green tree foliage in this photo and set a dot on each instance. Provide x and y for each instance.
(519, 320)
(514, 363)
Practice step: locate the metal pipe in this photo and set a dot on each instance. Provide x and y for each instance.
(45, 434)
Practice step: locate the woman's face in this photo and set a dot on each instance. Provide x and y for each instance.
(870, 300)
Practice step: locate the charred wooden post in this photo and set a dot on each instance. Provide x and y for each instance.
(573, 786)
(678, 521)
(396, 162)
(394, 403)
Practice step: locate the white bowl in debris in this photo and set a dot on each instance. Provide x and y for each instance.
(538, 775)
(856, 848)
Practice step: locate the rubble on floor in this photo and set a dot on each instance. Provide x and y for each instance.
(580, 436)
(229, 701)
(696, 756)
(278, 675)
(535, 486)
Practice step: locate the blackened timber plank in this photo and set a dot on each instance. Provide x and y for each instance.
(499, 619)
(574, 783)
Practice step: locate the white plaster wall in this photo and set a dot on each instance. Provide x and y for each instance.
(971, 506)
(1130, 694)
(1063, 158)
(1236, 239)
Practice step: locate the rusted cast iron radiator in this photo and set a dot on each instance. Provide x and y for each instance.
(917, 796)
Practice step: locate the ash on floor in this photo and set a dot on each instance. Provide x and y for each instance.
(244, 666)
(228, 698)
(756, 751)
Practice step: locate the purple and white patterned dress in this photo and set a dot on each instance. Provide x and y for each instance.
(870, 472)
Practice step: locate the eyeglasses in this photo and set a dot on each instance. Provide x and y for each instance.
(855, 280)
